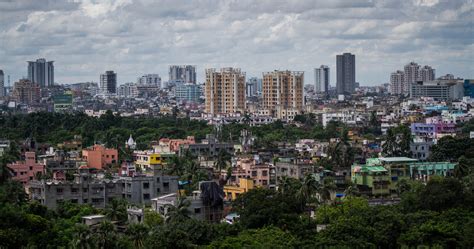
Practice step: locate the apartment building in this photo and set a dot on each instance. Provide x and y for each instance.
(283, 90)
(224, 91)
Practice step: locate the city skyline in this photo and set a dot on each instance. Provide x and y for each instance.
(128, 38)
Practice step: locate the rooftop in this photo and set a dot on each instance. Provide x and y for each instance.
(397, 159)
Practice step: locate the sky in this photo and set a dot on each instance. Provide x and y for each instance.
(86, 38)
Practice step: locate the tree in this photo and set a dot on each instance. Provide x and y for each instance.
(83, 238)
(117, 210)
(137, 233)
(106, 235)
(152, 218)
(268, 237)
(179, 211)
(223, 158)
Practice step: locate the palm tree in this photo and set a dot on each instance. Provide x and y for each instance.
(106, 235)
(309, 188)
(117, 210)
(326, 189)
(137, 234)
(351, 191)
(390, 143)
(223, 157)
(175, 166)
(82, 238)
(5, 172)
(179, 211)
(463, 167)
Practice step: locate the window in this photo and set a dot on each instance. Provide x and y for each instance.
(157, 179)
(84, 190)
(146, 185)
(197, 210)
(74, 190)
(85, 200)
(264, 173)
(157, 190)
(74, 201)
(59, 190)
(146, 196)
(254, 173)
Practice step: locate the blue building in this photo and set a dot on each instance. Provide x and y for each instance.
(469, 88)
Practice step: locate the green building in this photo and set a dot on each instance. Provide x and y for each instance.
(371, 179)
(62, 102)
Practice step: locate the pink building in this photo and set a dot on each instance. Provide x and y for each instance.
(174, 144)
(263, 175)
(25, 171)
(98, 156)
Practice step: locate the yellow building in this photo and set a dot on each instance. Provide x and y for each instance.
(232, 192)
(225, 91)
(147, 159)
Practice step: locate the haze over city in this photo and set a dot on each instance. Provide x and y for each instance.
(86, 38)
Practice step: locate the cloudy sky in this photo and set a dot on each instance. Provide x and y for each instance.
(87, 37)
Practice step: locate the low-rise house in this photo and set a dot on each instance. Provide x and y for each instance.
(233, 191)
(98, 156)
(262, 174)
(293, 167)
(27, 170)
(208, 147)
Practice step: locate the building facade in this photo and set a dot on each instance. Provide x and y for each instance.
(108, 82)
(426, 73)
(26, 92)
(128, 90)
(188, 93)
(25, 171)
(346, 73)
(224, 91)
(283, 90)
(41, 72)
(98, 156)
(321, 79)
(411, 74)
(397, 83)
(150, 79)
(181, 74)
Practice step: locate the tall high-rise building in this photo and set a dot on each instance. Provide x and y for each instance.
(397, 82)
(426, 73)
(150, 79)
(321, 79)
(224, 90)
(41, 72)
(346, 73)
(188, 93)
(108, 82)
(128, 90)
(257, 84)
(26, 92)
(2, 83)
(283, 90)
(412, 72)
(182, 74)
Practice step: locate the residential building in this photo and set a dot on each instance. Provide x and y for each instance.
(423, 171)
(25, 171)
(411, 74)
(147, 160)
(173, 145)
(232, 191)
(181, 74)
(150, 79)
(321, 79)
(224, 91)
(98, 156)
(372, 180)
(346, 73)
(108, 82)
(62, 102)
(190, 93)
(26, 92)
(397, 83)
(262, 174)
(293, 167)
(2, 83)
(426, 73)
(41, 72)
(208, 147)
(128, 90)
(207, 203)
(84, 189)
(420, 148)
(283, 90)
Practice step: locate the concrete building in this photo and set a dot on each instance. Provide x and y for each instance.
(128, 90)
(181, 74)
(397, 83)
(25, 171)
(261, 174)
(438, 89)
(150, 79)
(258, 83)
(420, 148)
(208, 147)
(2, 83)
(411, 74)
(251, 88)
(283, 90)
(188, 93)
(426, 73)
(41, 72)
(371, 180)
(99, 157)
(108, 82)
(293, 167)
(224, 91)
(26, 92)
(346, 73)
(321, 79)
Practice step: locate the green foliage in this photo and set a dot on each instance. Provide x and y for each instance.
(268, 237)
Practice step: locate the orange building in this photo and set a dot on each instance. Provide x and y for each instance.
(25, 171)
(98, 156)
(174, 144)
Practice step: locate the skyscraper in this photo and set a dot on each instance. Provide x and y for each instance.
(283, 89)
(346, 74)
(426, 73)
(108, 83)
(412, 71)
(2, 83)
(181, 74)
(397, 83)
(225, 90)
(41, 72)
(150, 79)
(321, 79)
